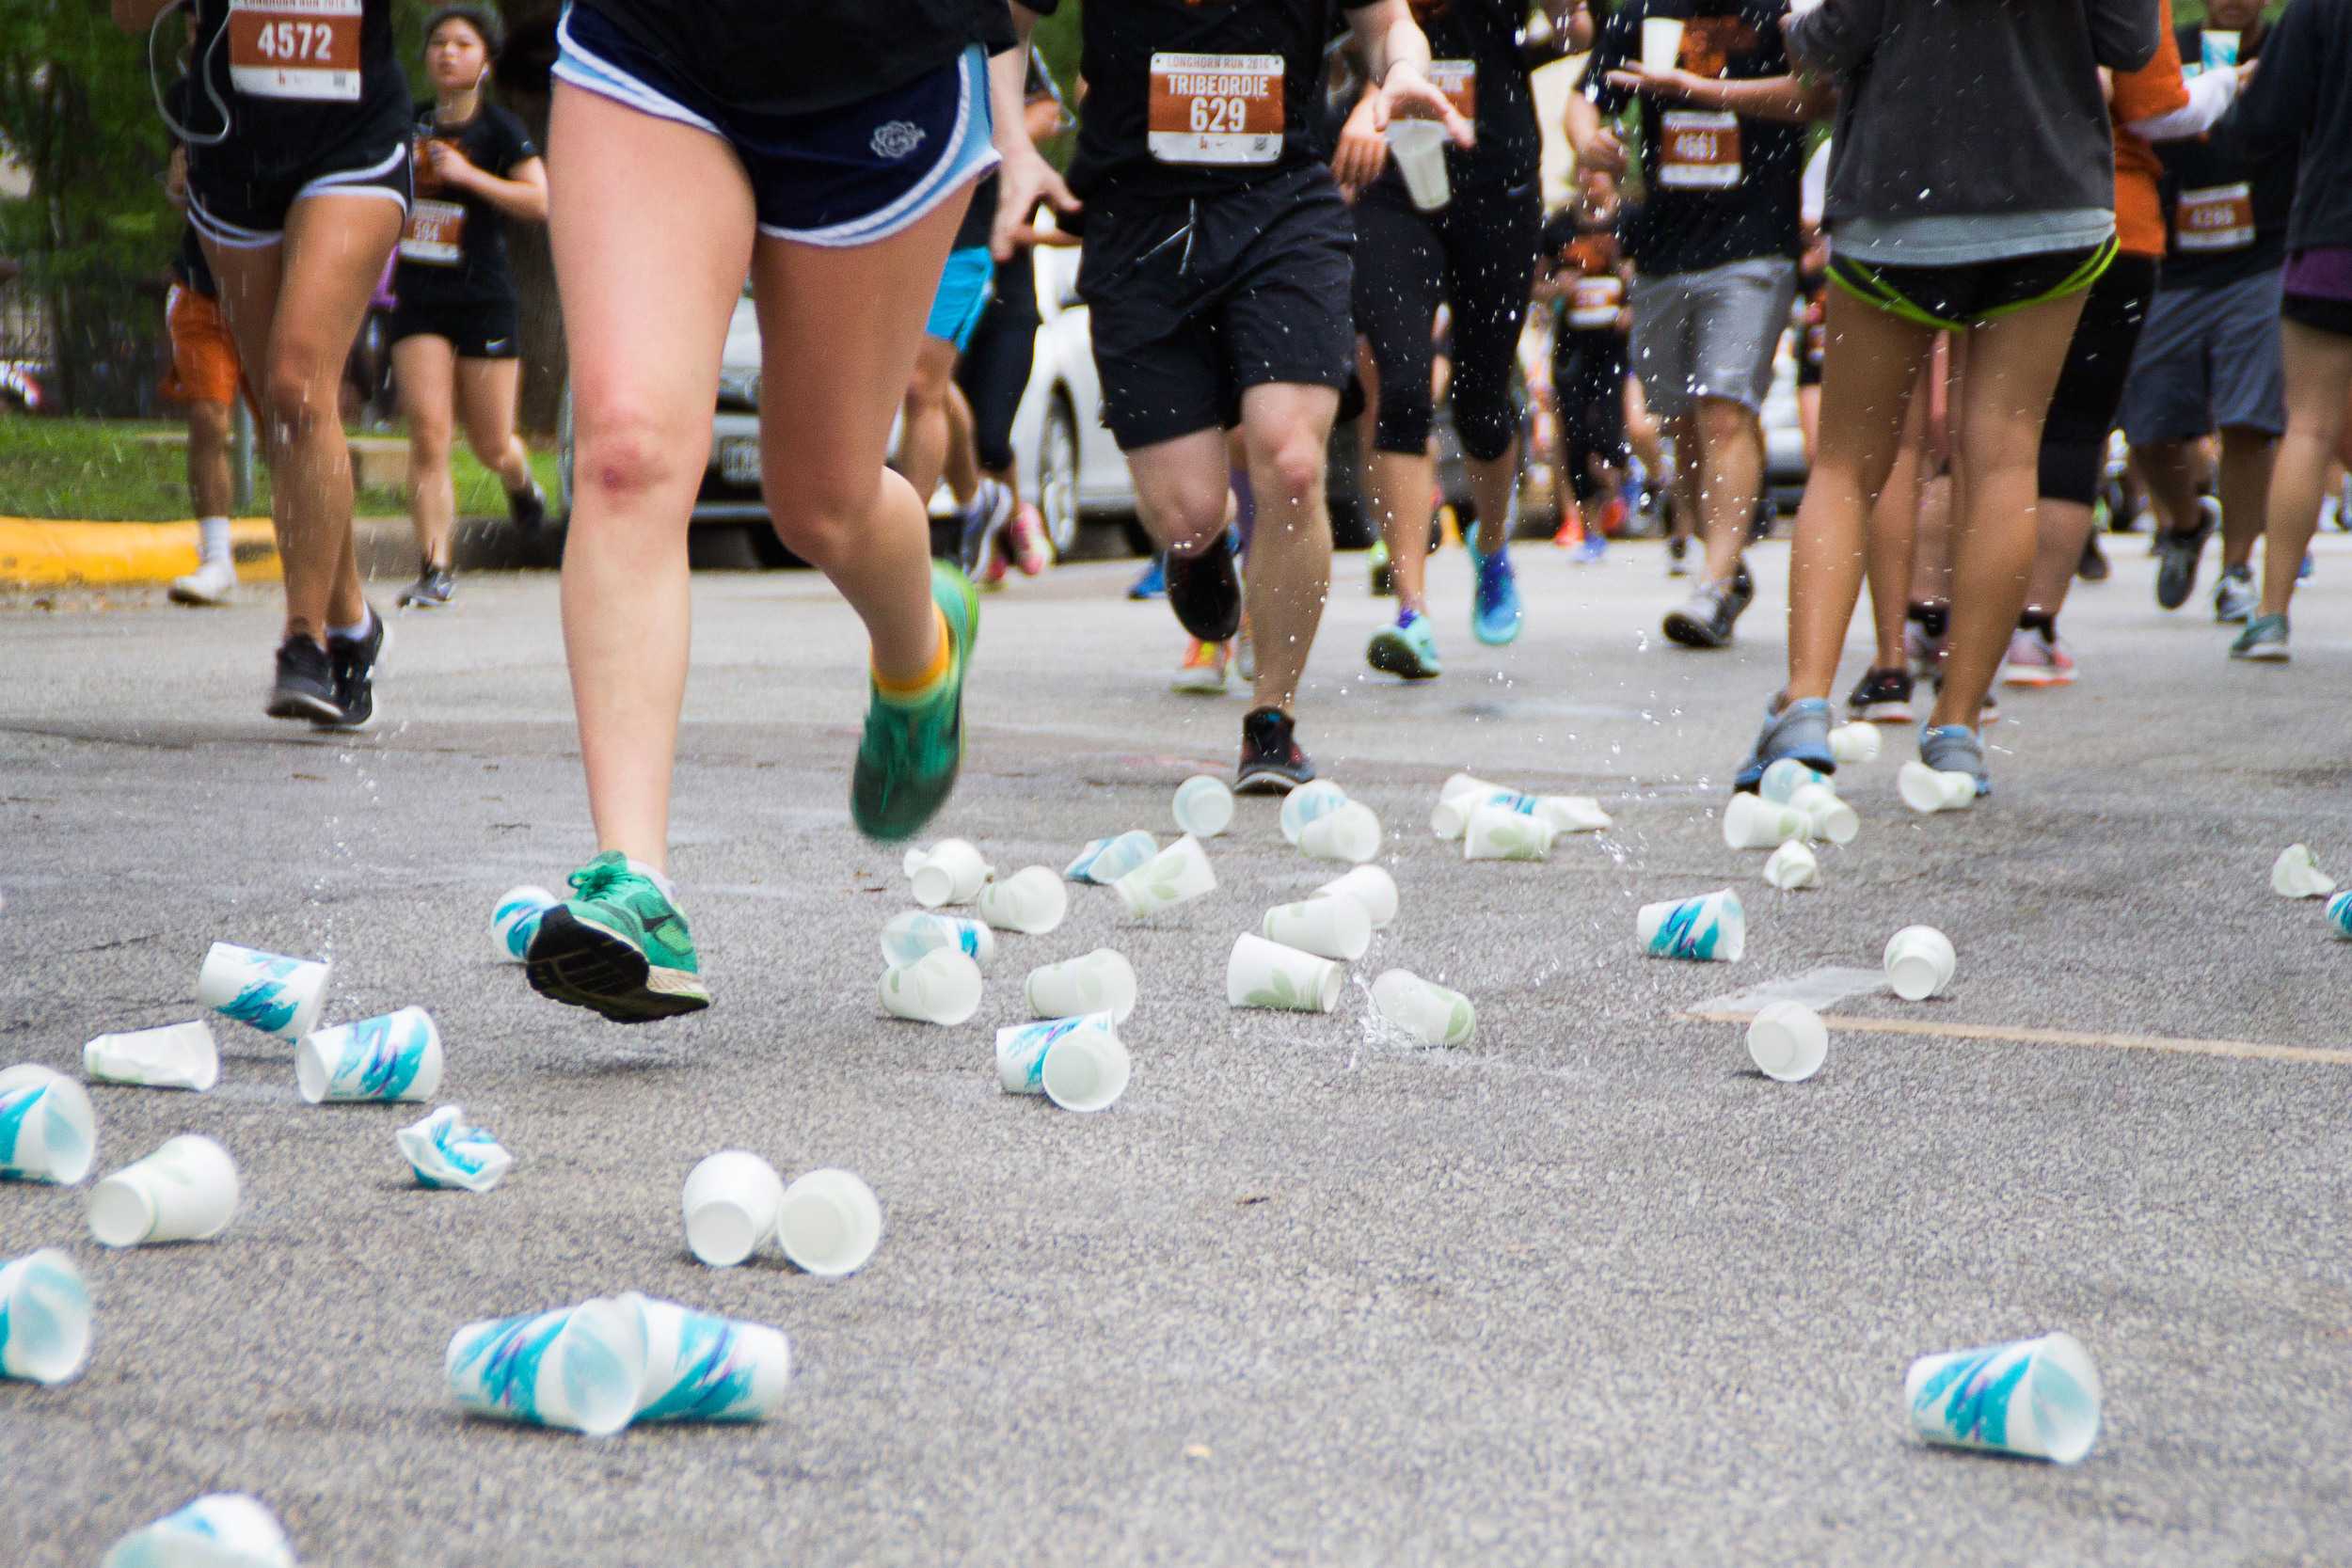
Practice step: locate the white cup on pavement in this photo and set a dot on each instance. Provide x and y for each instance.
(45, 1318)
(1263, 973)
(730, 1205)
(2295, 874)
(1370, 886)
(1032, 900)
(829, 1222)
(394, 1057)
(1080, 1064)
(1327, 927)
(1662, 42)
(1853, 744)
(1919, 962)
(1349, 833)
(1419, 146)
(187, 1191)
(581, 1368)
(1317, 798)
(515, 919)
(1788, 1041)
(48, 1131)
(941, 986)
(1712, 927)
(949, 872)
(1464, 783)
(1429, 1013)
(1926, 790)
(1106, 860)
(1097, 982)
(274, 993)
(1792, 866)
(220, 1530)
(1497, 832)
(1784, 778)
(1826, 816)
(176, 1056)
(908, 936)
(2037, 1398)
(700, 1367)
(1203, 806)
(1177, 875)
(1752, 822)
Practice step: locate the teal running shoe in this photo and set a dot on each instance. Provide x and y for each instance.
(1405, 649)
(907, 760)
(618, 947)
(1495, 614)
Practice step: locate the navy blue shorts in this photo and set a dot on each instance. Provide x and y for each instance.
(845, 176)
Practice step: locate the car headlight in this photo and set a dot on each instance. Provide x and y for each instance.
(738, 386)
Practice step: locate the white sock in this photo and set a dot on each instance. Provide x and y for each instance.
(353, 633)
(668, 890)
(213, 542)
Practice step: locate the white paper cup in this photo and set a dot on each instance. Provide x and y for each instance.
(1426, 1012)
(2295, 874)
(907, 936)
(1496, 832)
(176, 1056)
(1919, 962)
(1788, 1041)
(730, 1205)
(1752, 822)
(1792, 866)
(1102, 981)
(1032, 901)
(276, 994)
(941, 986)
(394, 1057)
(1370, 886)
(579, 1368)
(1711, 927)
(445, 1151)
(1310, 800)
(1350, 834)
(187, 1191)
(1419, 146)
(1784, 778)
(949, 872)
(2038, 1398)
(1450, 819)
(1078, 1063)
(1925, 791)
(1177, 875)
(1573, 814)
(1826, 816)
(702, 1367)
(829, 1222)
(1661, 43)
(1854, 744)
(48, 1131)
(1106, 860)
(45, 1318)
(1462, 783)
(1263, 973)
(515, 919)
(1203, 806)
(1327, 927)
(221, 1530)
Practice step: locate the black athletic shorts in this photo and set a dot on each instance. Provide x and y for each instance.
(2319, 312)
(483, 331)
(1956, 297)
(1194, 301)
(246, 214)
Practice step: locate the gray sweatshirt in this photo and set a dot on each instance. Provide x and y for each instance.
(1971, 130)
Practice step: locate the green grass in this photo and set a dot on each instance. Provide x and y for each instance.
(101, 469)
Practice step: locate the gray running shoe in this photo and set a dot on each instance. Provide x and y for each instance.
(1707, 621)
(2176, 577)
(2234, 597)
(1799, 730)
(1954, 749)
(2264, 638)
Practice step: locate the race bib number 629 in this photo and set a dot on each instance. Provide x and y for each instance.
(1217, 108)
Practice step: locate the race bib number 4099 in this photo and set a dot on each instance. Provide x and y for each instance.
(303, 48)
(1217, 108)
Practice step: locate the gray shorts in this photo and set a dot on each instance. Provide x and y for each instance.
(2208, 359)
(1710, 334)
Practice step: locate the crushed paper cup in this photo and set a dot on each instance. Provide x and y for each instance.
(274, 993)
(1919, 962)
(702, 1367)
(1106, 860)
(941, 986)
(1792, 866)
(1203, 806)
(1927, 791)
(1327, 927)
(1853, 744)
(1826, 816)
(1710, 928)
(220, 1530)
(1496, 832)
(2295, 874)
(2339, 915)
(187, 1191)
(2036, 1398)
(394, 1057)
(1348, 832)
(1263, 973)
(1096, 982)
(1177, 875)
(829, 1222)
(1784, 778)
(1080, 1064)
(1310, 800)
(907, 936)
(949, 872)
(48, 1131)
(1752, 822)
(1032, 901)
(1370, 886)
(444, 1152)
(176, 1056)
(515, 919)
(1788, 1041)
(45, 1318)
(730, 1205)
(1426, 1012)
(579, 1368)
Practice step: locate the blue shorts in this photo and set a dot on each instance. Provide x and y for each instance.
(963, 296)
(836, 176)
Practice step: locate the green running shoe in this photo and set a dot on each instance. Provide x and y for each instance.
(618, 946)
(907, 762)
(1405, 649)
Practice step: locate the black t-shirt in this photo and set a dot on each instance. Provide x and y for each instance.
(1584, 248)
(2225, 218)
(452, 250)
(806, 55)
(1474, 55)
(266, 68)
(1230, 102)
(1719, 188)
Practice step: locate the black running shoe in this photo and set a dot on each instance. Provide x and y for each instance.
(2176, 577)
(2093, 567)
(353, 660)
(1271, 762)
(527, 508)
(306, 684)
(1204, 590)
(432, 589)
(1707, 620)
(1883, 697)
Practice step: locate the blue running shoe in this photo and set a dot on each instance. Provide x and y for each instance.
(2303, 573)
(1800, 730)
(1954, 749)
(1151, 583)
(1590, 552)
(1404, 649)
(1495, 614)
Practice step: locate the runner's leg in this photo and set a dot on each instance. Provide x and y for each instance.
(923, 447)
(2247, 457)
(424, 370)
(2319, 375)
(1287, 430)
(487, 394)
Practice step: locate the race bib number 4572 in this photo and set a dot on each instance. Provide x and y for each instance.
(304, 48)
(1217, 108)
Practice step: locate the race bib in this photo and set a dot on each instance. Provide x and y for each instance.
(302, 49)
(436, 235)
(1458, 81)
(2219, 217)
(1698, 150)
(1217, 108)
(1594, 302)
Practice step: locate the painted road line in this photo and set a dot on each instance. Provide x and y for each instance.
(39, 553)
(1816, 987)
(2240, 1050)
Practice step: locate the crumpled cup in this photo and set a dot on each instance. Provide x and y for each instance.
(220, 1530)
(1792, 866)
(176, 1056)
(446, 1152)
(2295, 874)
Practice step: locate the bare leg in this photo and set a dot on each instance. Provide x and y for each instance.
(424, 370)
(487, 391)
(1894, 525)
(2247, 457)
(1287, 430)
(1495, 488)
(2170, 471)
(923, 445)
(2064, 530)
(2319, 373)
(1730, 464)
(963, 464)
(1399, 495)
(209, 488)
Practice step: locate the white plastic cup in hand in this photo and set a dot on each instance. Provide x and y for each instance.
(907, 936)
(2036, 1398)
(187, 1191)
(941, 986)
(1496, 832)
(220, 1530)
(949, 872)
(730, 1205)
(1106, 860)
(1203, 806)
(1710, 928)
(581, 1368)
(1327, 927)
(1854, 744)
(446, 1151)
(1177, 875)
(1080, 1064)
(276, 994)
(1793, 865)
(1661, 43)
(1782, 779)
(1826, 816)
(1350, 834)
(1788, 1041)
(48, 1131)
(45, 1318)
(829, 1222)
(1927, 791)
(515, 919)
(1425, 1011)
(1102, 981)
(1263, 973)
(1032, 900)
(2295, 874)
(395, 1057)
(704, 1368)
(1370, 886)
(1919, 962)
(1419, 146)
(1752, 822)
(176, 1056)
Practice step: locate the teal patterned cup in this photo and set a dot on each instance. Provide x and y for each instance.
(701, 1368)
(395, 1057)
(2036, 1398)
(579, 1367)
(1710, 928)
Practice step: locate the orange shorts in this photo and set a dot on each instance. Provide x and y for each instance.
(204, 364)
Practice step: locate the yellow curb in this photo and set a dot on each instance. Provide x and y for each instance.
(39, 553)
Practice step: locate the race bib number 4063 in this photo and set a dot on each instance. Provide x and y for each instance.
(1698, 150)
(1217, 108)
(305, 49)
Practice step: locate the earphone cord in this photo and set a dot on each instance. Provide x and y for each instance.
(203, 75)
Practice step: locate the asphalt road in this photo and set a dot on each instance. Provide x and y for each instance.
(1589, 1289)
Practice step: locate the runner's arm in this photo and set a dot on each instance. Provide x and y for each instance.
(2209, 98)
(1597, 146)
(1026, 178)
(1396, 54)
(522, 194)
(1791, 99)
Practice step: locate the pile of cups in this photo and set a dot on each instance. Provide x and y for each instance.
(1297, 964)
(1320, 820)
(613, 1360)
(1494, 822)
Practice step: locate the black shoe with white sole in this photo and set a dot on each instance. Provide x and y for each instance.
(305, 688)
(432, 589)
(353, 660)
(1271, 762)
(1204, 590)
(527, 508)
